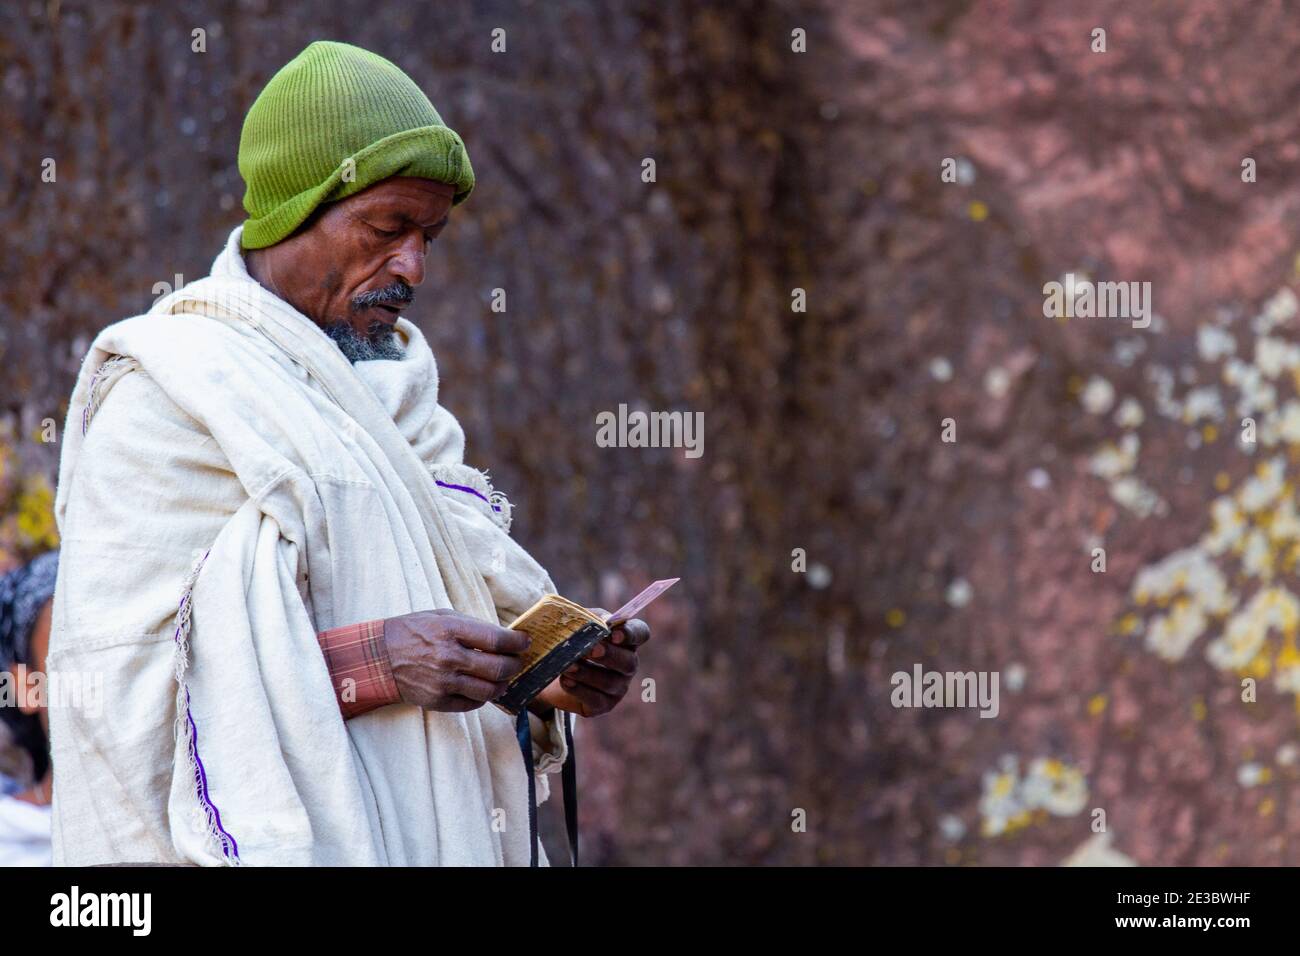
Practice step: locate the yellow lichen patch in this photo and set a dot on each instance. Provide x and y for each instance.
(1260, 666)
(895, 617)
(977, 210)
(26, 506)
(36, 527)
(1011, 802)
(1288, 656)
(1290, 557)
(1234, 584)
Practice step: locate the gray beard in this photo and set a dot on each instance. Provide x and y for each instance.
(380, 342)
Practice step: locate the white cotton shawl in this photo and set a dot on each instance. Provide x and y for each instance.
(358, 506)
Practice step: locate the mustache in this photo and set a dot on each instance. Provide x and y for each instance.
(396, 293)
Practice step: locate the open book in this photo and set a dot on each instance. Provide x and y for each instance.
(562, 633)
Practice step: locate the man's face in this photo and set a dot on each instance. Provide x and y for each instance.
(355, 265)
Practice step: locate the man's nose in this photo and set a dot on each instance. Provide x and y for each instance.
(408, 263)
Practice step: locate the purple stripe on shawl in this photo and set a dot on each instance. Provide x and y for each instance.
(201, 782)
(476, 494)
(228, 845)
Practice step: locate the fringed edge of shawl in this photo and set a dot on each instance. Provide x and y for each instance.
(469, 480)
(105, 378)
(207, 817)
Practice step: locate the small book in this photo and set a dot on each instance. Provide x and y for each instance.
(562, 633)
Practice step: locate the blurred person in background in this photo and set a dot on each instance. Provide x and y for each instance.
(26, 598)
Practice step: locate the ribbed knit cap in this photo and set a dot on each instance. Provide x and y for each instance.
(333, 103)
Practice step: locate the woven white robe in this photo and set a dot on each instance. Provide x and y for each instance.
(240, 486)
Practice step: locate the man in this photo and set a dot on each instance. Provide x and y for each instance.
(271, 546)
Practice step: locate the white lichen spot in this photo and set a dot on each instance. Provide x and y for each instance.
(1014, 676)
(1008, 801)
(1204, 403)
(1098, 396)
(1273, 609)
(819, 576)
(997, 382)
(1251, 775)
(952, 827)
(959, 593)
(1129, 414)
(1113, 460)
(1214, 343)
(1137, 496)
(940, 369)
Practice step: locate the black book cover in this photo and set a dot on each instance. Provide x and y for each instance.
(534, 680)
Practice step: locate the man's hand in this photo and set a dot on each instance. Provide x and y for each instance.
(443, 660)
(595, 684)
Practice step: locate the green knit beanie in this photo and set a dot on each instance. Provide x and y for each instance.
(334, 120)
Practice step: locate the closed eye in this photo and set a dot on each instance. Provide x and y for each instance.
(434, 231)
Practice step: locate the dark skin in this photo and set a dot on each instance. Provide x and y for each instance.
(361, 244)
(373, 241)
(38, 792)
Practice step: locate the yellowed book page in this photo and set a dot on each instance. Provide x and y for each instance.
(550, 622)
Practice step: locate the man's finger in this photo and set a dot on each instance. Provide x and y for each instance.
(483, 636)
(616, 658)
(475, 688)
(607, 682)
(488, 666)
(631, 633)
(584, 701)
(455, 704)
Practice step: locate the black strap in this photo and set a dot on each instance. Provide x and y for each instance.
(525, 735)
(569, 779)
